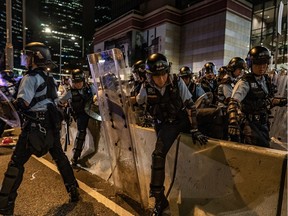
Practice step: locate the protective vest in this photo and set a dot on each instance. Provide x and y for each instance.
(49, 83)
(192, 89)
(220, 96)
(79, 100)
(256, 101)
(164, 107)
(205, 84)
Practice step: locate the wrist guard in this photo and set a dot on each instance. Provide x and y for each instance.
(192, 114)
(232, 111)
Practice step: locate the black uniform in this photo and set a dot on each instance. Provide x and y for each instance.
(38, 125)
(254, 96)
(40, 128)
(78, 99)
(167, 105)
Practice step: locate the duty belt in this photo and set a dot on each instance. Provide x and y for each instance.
(262, 118)
(35, 116)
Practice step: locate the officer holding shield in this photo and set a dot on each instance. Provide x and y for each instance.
(79, 95)
(40, 134)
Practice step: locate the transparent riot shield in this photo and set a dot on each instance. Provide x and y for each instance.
(111, 78)
(8, 113)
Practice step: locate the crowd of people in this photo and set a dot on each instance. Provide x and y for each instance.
(239, 96)
(242, 97)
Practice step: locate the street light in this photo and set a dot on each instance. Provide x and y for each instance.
(60, 57)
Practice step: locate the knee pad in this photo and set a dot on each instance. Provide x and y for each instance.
(79, 142)
(10, 178)
(81, 135)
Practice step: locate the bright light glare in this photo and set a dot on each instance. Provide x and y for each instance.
(47, 30)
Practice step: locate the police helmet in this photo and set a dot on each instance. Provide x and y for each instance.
(258, 55)
(185, 71)
(139, 66)
(40, 53)
(138, 70)
(77, 76)
(236, 63)
(210, 68)
(222, 70)
(157, 64)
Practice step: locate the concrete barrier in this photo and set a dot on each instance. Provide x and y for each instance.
(222, 178)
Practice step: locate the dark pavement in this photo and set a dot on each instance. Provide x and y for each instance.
(42, 192)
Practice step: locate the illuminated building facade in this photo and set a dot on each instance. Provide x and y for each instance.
(193, 32)
(60, 26)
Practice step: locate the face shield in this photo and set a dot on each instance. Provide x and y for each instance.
(25, 54)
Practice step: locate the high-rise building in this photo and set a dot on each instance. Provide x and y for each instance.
(17, 31)
(59, 25)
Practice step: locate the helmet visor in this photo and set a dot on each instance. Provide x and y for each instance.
(260, 61)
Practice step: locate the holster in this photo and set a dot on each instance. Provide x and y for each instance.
(55, 116)
(40, 140)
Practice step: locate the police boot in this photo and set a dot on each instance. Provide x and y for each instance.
(73, 193)
(8, 210)
(7, 198)
(161, 203)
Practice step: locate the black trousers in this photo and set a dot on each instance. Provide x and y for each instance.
(256, 133)
(22, 154)
(167, 132)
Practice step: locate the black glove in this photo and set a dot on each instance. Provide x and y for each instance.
(279, 102)
(198, 136)
(234, 131)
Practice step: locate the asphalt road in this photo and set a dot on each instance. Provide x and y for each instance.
(42, 192)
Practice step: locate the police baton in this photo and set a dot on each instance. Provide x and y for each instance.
(67, 120)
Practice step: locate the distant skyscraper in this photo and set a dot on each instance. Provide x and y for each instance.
(17, 35)
(59, 24)
(102, 13)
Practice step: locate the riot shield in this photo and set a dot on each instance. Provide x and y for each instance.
(8, 113)
(92, 109)
(111, 79)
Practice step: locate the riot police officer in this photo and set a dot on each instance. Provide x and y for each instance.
(78, 96)
(139, 76)
(235, 69)
(40, 134)
(195, 89)
(222, 71)
(253, 95)
(64, 85)
(208, 81)
(166, 97)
